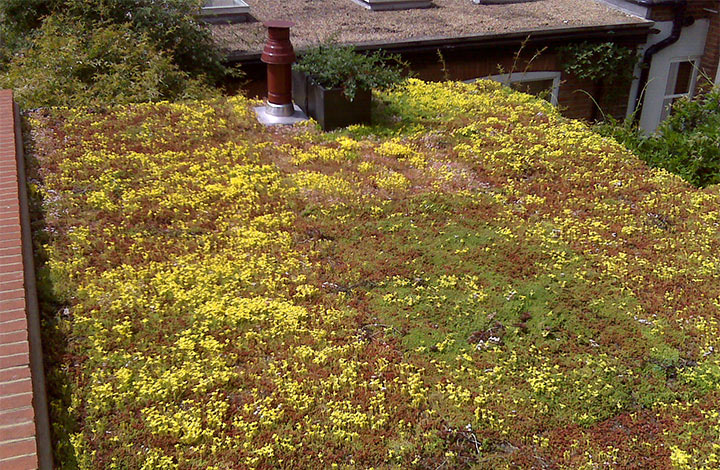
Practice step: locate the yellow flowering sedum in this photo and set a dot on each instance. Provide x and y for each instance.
(483, 283)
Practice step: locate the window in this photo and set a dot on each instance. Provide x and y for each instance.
(681, 82)
(542, 84)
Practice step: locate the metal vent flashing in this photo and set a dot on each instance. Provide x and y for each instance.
(225, 11)
(384, 5)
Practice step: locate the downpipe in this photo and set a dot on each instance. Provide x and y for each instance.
(680, 7)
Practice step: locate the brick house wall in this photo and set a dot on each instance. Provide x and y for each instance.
(463, 62)
(695, 8)
(709, 63)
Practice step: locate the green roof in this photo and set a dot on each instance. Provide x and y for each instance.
(473, 282)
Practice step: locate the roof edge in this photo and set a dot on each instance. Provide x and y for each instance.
(616, 31)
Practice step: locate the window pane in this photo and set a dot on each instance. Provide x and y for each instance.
(684, 75)
(542, 88)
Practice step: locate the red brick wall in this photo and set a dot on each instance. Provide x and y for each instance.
(573, 97)
(18, 444)
(696, 8)
(470, 63)
(710, 58)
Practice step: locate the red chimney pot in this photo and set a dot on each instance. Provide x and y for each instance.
(278, 48)
(279, 55)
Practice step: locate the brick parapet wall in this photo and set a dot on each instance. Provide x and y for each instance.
(24, 430)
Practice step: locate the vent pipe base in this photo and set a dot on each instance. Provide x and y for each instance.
(279, 110)
(265, 117)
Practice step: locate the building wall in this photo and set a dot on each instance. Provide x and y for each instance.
(573, 97)
(701, 39)
(700, 10)
(470, 64)
(690, 44)
(695, 8)
(712, 51)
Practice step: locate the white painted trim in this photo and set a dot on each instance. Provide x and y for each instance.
(690, 44)
(695, 61)
(693, 77)
(630, 108)
(507, 78)
(224, 7)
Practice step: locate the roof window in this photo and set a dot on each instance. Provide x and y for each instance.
(225, 11)
(380, 5)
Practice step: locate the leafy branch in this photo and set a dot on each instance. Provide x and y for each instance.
(605, 61)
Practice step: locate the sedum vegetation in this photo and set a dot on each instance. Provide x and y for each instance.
(475, 283)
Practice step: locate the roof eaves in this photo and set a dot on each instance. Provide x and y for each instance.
(616, 31)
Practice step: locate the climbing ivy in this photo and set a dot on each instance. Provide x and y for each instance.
(605, 61)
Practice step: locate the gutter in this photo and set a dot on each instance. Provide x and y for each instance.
(680, 6)
(431, 44)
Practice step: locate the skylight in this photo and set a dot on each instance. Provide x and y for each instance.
(379, 5)
(225, 11)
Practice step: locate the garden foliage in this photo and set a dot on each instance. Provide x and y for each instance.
(18, 19)
(687, 143)
(120, 47)
(606, 61)
(70, 64)
(337, 66)
(480, 283)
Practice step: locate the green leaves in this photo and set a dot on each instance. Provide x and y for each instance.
(77, 52)
(687, 143)
(68, 64)
(605, 61)
(335, 66)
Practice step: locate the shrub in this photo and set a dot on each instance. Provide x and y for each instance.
(169, 24)
(18, 18)
(68, 64)
(335, 66)
(625, 132)
(604, 61)
(687, 143)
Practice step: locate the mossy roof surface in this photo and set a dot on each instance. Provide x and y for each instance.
(474, 282)
(347, 22)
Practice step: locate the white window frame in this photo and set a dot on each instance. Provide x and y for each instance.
(522, 77)
(227, 7)
(695, 61)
